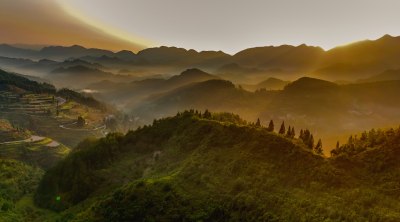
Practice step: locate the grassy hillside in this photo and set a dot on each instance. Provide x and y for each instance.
(216, 167)
(10, 133)
(44, 111)
(8, 79)
(17, 180)
(43, 153)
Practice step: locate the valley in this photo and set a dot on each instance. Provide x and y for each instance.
(169, 134)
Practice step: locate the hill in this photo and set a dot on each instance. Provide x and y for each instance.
(218, 95)
(307, 103)
(10, 133)
(351, 62)
(41, 109)
(393, 74)
(211, 167)
(17, 180)
(269, 84)
(59, 53)
(66, 77)
(9, 79)
(360, 60)
(135, 92)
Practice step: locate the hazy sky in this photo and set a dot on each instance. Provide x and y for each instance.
(232, 25)
(45, 22)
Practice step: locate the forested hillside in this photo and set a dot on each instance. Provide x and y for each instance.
(214, 167)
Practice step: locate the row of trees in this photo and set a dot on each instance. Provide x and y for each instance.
(370, 139)
(305, 135)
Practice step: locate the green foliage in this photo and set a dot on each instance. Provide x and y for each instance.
(271, 126)
(191, 168)
(16, 180)
(80, 98)
(24, 83)
(318, 148)
(80, 122)
(307, 138)
(368, 140)
(282, 130)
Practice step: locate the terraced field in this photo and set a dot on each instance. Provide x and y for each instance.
(10, 133)
(42, 152)
(44, 104)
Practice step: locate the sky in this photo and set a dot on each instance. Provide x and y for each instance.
(228, 25)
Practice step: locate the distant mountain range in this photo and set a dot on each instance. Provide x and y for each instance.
(134, 92)
(359, 60)
(307, 103)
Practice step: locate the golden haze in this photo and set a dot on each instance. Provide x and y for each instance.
(46, 23)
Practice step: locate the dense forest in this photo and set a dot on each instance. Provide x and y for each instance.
(7, 79)
(217, 167)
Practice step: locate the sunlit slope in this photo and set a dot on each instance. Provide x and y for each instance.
(213, 167)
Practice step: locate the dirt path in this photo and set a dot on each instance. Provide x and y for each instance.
(29, 140)
(65, 126)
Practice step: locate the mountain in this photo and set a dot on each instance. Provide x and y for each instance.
(285, 57)
(15, 52)
(66, 77)
(361, 59)
(189, 76)
(307, 84)
(216, 167)
(351, 62)
(75, 51)
(58, 53)
(216, 95)
(393, 74)
(307, 103)
(179, 56)
(269, 84)
(12, 80)
(134, 92)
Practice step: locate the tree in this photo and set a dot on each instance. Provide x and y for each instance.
(258, 123)
(282, 129)
(81, 121)
(337, 145)
(271, 126)
(311, 142)
(301, 136)
(318, 147)
(57, 108)
(289, 132)
(207, 114)
(293, 133)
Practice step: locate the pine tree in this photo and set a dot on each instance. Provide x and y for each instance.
(282, 129)
(258, 123)
(207, 114)
(318, 147)
(311, 141)
(271, 126)
(289, 132)
(337, 145)
(293, 133)
(301, 136)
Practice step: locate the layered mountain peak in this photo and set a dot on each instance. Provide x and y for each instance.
(193, 75)
(310, 84)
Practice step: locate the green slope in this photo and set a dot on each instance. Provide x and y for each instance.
(208, 168)
(16, 180)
